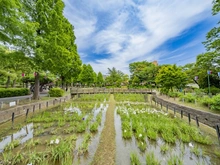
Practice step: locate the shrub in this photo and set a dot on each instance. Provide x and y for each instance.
(206, 100)
(11, 92)
(213, 90)
(56, 92)
(164, 91)
(173, 94)
(188, 97)
(215, 103)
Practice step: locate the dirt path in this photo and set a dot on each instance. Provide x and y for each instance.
(105, 154)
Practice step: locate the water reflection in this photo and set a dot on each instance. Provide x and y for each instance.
(23, 135)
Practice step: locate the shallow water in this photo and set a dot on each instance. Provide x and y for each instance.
(88, 157)
(27, 132)
(125, 147)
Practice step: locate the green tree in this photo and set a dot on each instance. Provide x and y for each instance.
(13, 64)
(171, 76)
(205, 62)
(135, 81)
(212, 42)
(86, 77)
(95, 78)
(114, 78)
(100, 79)
(15, 29)
(145, 71)
(52, 46)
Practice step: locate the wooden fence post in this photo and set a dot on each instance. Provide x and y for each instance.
(189, 118)
(12, 119)
(197, 121)
(218, 131)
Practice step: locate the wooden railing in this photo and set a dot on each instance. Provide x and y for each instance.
(75, 91)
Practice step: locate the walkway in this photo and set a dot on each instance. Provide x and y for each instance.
(105, 154)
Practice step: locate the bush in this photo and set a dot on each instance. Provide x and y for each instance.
(188, 98)
(56, 92)
(173, 94)
(215, 103)
(11, 92)
(213, 90)
(206, 100)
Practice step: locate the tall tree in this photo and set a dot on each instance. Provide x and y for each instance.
(53, 47)
(100, 79)
(171, 76)
(212, 42)
(145, 71)
(86, 76)
(114, 78)
(15, 28)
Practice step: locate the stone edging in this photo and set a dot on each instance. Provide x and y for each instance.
(207, 118)
(21, 110)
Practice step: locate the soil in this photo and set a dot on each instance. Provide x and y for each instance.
(106, 151)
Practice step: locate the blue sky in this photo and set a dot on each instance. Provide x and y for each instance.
(115, 33)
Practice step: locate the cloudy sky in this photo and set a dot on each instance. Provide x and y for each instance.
(114, 33)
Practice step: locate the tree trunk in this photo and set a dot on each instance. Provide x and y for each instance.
(8, 82)
(66, 86)
(62, 82)
(14, 82)
(36, 87)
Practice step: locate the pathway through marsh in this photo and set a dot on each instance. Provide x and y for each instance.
(105, 153)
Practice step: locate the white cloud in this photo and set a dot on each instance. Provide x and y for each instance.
(158, 20)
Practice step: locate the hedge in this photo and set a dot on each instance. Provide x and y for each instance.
(56, 92)
(11, 92)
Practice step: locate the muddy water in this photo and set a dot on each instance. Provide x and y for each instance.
(126, 147)
(26, 132)
(88, 157)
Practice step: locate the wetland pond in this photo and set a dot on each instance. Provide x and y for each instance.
(70, 133)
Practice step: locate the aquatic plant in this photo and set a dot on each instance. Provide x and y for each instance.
(99, 118)
(81, 127)
(7, 158)
(195, 150)
(12, 145)
(85, 144)
(217, 153)
(94, 127)
(164, 148)
(168, 137)
(134, 159)
(35, 157)
(151, 159)
(19, 127)
(142, 145)
(61, 123)
(61, 151)
(174, 160)
(71, 138)
(197, 137)
(54, 131)
(185, 138)
(47, 125)
(127, 134)
(68, 130)
(38, 132)
(32, 143)
(151, 134)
